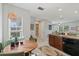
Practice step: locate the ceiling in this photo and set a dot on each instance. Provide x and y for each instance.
(57, 12)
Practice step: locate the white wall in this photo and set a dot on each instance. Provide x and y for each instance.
(55, 27)
(0, 22)
(7, 8)
(71, 24)
(44, 29)
(33, 22)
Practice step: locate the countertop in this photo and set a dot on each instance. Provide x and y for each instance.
(67, 36)
(39, 52)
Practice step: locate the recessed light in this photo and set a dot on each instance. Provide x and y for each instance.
(59, 9)
(75, 11)
(60, 16)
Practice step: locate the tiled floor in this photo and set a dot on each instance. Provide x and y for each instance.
(42, 43)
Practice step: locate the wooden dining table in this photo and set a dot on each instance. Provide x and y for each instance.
(25, 47)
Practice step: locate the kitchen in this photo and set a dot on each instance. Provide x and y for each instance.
(53, 28)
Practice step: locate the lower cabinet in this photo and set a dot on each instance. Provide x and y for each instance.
(71, 47)
(56, 41)
(67, 45)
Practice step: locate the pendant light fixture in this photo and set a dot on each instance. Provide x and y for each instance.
(12, 16)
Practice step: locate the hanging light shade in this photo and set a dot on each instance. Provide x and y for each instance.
(12, 16)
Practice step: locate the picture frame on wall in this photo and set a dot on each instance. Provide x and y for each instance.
(77, 28)
(50, 27)
(74, 28)
(32, 27)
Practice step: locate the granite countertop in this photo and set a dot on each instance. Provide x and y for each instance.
(68, 36)
(49, 51)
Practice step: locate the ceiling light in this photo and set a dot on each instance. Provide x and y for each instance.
(59, 9)
(75, 11)
(60, 16)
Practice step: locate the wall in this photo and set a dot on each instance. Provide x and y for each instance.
(0, 22)
(71, 24)
(44, 29)
(41, 27)
(20, 12)
(33, 22)
(55, 27)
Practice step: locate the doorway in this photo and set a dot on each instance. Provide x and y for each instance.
(37, 30)
(40, 30)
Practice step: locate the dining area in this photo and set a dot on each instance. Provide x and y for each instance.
(19, 48)
(23, 34)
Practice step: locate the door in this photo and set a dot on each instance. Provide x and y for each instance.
(37, 30)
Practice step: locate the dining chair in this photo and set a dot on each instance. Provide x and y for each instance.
(1, 47)
(7, 42)
(13, 54)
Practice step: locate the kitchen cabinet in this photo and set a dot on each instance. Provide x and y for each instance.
(71, 46)
(66, 43)
(56, 41)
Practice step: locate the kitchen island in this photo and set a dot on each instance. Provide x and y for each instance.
(65, 43)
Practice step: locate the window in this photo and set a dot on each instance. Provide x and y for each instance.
(15, 28)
